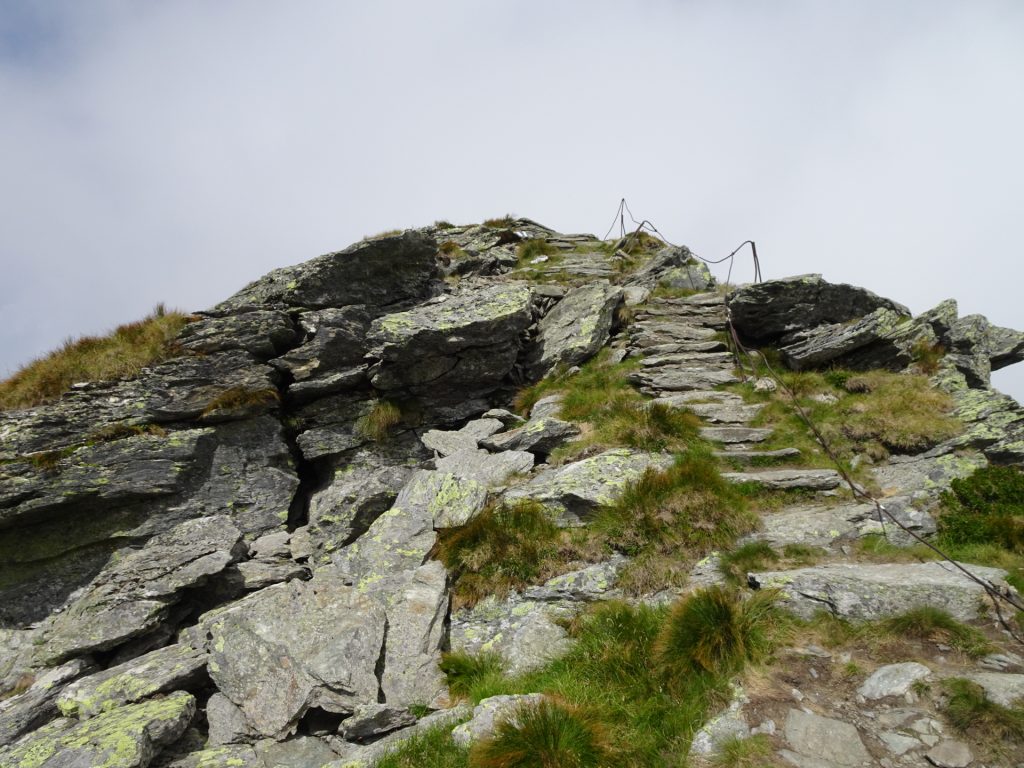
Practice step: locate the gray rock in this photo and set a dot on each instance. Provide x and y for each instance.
(133, 595)
(893, 680)
(826, 739)
(780, 479)
(172, 668)
(574, 492)
(36, 706)
(880, 591)
(300, 752)
(672, 379)
(261, 333)
(489, 713)
(1002, 688)
(749, 457)
(575, 329)
(272, 546)
(450, 501)
(453, 349)
(674, 267)
(726, 725)
(950, 754)
(735, 435)
(539, 436)
(356, 756)
(256, 574)
(227, 722)
(448, 442)
(126, 737)
(830, 342)
(377, 272)
(925, 476)
(374, 720)
(295, 646)
(399, 540)
(1005, 346)
(488, 469)
(764, 312)
(332, 359)
(898, 743)
(551, 405)
(593, 582)
(718, 413)
(507, 418)
(235, 756)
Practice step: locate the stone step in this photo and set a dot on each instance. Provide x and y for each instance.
(685, 346)
(789, 479)
(678, 380)
(669, 332)
(689, 360)
(735, 434)
(725, 413)
(746, 456)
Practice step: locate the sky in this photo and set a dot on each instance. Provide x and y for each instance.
(172, 152)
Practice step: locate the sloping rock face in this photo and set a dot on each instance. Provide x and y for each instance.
(229, 560)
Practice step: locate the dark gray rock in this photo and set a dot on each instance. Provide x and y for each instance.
(36, 706)
(332, 359)
(377, 272)
(574, 330)
(830, 342)
(374, 720)
(453, 348)
(765, 312)
(227, 723)
(1005, 346)
(261, 333)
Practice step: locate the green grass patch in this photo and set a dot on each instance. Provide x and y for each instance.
(934, 624)
(752, 752)
(528, 250)
(985, 508)
(433, 748)
(760, 555)
(119, 355)
(473, 677)
(973, 714)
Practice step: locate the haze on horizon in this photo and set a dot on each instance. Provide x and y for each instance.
(173, 152)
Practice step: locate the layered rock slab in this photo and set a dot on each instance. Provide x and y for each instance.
(575, 329)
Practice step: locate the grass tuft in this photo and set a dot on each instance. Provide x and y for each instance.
(934, 624)
(972, 713)
(119, 355)
(473, 677)
(502, 222)
(753, 752)
(433, 748)
(545, 735)
(532, 249)
(236, 398)
(378, 422)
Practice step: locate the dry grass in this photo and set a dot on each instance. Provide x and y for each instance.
(378, 422)
(237, 398)
(119, 355)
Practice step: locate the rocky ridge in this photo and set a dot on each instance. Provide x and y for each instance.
(249, 579)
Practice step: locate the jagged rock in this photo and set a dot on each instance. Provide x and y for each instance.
(234, 756)
(950, 754)
(166, 669)
(830, 741)
(539, 436)
(126, 737)
(295, 646)
(899, 346)
(488, 469)
(1005, 347)
(37, 705)
(332, 360)
(466, 439)
(399, 540)
(673, 267)
(780, 479)
(575, 329)
(879, 591)
(415, 635)
(376, 272)
(375, 719)
(926, 475)
(573, 492)
(764, 312)
(453, 349)
(133, 595)
(256, 574)
(829, 342)
(261, 333)
(507, 418)
(733, 435)
(489, 713)
(893, 680)
(968, 349)
(1002, 688)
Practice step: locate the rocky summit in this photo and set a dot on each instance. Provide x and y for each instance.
(272, 547)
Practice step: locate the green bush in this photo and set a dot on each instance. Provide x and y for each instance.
(985, 508)
(545, 735)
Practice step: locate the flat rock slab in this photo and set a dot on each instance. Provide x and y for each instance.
(747, 457)
(486, 468)
(156, 672)
(950, 754)
(828, 342)
(126, 737)
(539, 436)
(832, 741)
(735, 435)
(880, 591)
(725, 413)
(682, 379)
(893, 680)
(784, 479)
(448, 442)
(261, 333)
(573, 492)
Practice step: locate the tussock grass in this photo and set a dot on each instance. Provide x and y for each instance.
(973, 714)
(237, 398)
(474, 677)
(501, 222)
(378, 422)
(531, 249)
(543, 735)
(433, 748)
(934, 624)
(119, 355)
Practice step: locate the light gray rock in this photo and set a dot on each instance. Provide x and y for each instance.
(856, 591)
(898, 743)
(594, 582)
(1002, 688)
(448, 442)
(295, 646)
(133, 595)
(257, 574)
(453, 349)
(726, 725)
(486, 468)
(749, 457)
(826, 739)
(300, 752)
(233, 756)
(783, 479)
(36, 706)
(365, 756)
(575, 329)
(374, 720)
(925, 476)
(126, 737)
(550, 405)
(507, 418)
(489, 713)
(950, 754)
(378, 272)
(450, 501)
(672, 379)
(539, 436)
(893, 680)
(227, 722)
(735, 435)
(166, 669)
(573, 492)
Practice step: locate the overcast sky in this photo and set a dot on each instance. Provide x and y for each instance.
(173, 151)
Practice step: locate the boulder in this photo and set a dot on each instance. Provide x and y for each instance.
(37, 705)
(893, 680)
(262, 333)
(236, 756)
(227, 723)
(539, 436)
(166, 669)
(826, 343)
(574, 330)
(765, 312)
(134, 593)
(299, 752)
(489, 469)
(673, 267)
(1002, 688)
(378, 272)
(852, 591)
(126, 737)
(447, 442)
(454, 348)
(572, 493)
(370, 720)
